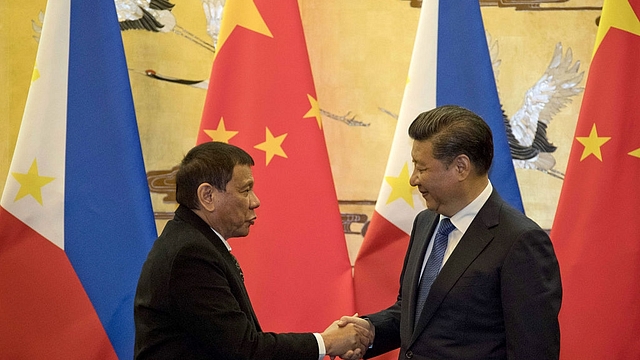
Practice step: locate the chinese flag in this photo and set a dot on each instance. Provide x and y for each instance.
(261, 97)
(596, 231)
(450, 64)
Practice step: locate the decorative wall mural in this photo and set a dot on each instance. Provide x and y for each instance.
(527, 128)
(359, 52)
(156, 16)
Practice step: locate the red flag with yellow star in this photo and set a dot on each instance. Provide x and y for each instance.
(596, 232)
(262, 98)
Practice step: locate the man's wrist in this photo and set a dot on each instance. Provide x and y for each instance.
(322, 350)
(371, 328)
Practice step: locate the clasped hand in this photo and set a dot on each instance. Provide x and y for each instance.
(349, 337)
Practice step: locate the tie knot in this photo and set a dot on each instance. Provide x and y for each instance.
(446, 227)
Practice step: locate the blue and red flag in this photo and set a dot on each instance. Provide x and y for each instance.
(76, 220)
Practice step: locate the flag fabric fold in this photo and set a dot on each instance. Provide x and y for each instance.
(75, 218)
(261, 97)
(450, 64)
(596, 232)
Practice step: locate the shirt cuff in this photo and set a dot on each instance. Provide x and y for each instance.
(322, 351)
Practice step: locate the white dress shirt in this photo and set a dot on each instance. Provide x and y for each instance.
(461, 220)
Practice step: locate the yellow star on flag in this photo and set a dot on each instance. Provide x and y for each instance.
(635, 153)
(221, 133)
(314, 111)
(31, 183)
(617, 14)
(592, 143)
(272, 145)
(36, 73)
(241, 13)
(400, 187)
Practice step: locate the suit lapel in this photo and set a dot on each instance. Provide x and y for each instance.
(189, 216)
(473, 242)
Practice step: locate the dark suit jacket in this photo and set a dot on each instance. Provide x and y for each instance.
(191, 302)
(497, 296)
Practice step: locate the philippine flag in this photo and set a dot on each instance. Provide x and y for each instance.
(76, 220)
(450, 64)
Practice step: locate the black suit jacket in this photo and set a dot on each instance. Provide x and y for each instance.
(497, 296)
(191, 302)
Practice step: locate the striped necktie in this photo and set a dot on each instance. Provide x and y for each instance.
(434, 263)
(235, 261)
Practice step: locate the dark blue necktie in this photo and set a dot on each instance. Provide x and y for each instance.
(237, 264)
(434, 263)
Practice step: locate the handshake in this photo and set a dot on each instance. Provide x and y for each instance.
(349, 337)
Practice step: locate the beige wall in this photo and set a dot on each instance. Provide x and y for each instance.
(359, 51)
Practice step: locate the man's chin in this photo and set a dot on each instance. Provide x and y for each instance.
(242, 233)
(431, 206)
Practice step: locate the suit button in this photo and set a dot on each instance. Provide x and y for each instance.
(408, 354)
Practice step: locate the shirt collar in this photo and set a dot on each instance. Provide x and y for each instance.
(226, 244)
(463, 218)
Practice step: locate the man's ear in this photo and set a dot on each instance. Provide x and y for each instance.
(206, 195)
(462, 165)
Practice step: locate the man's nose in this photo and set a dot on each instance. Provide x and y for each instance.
(255, 202)
(413, 180)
